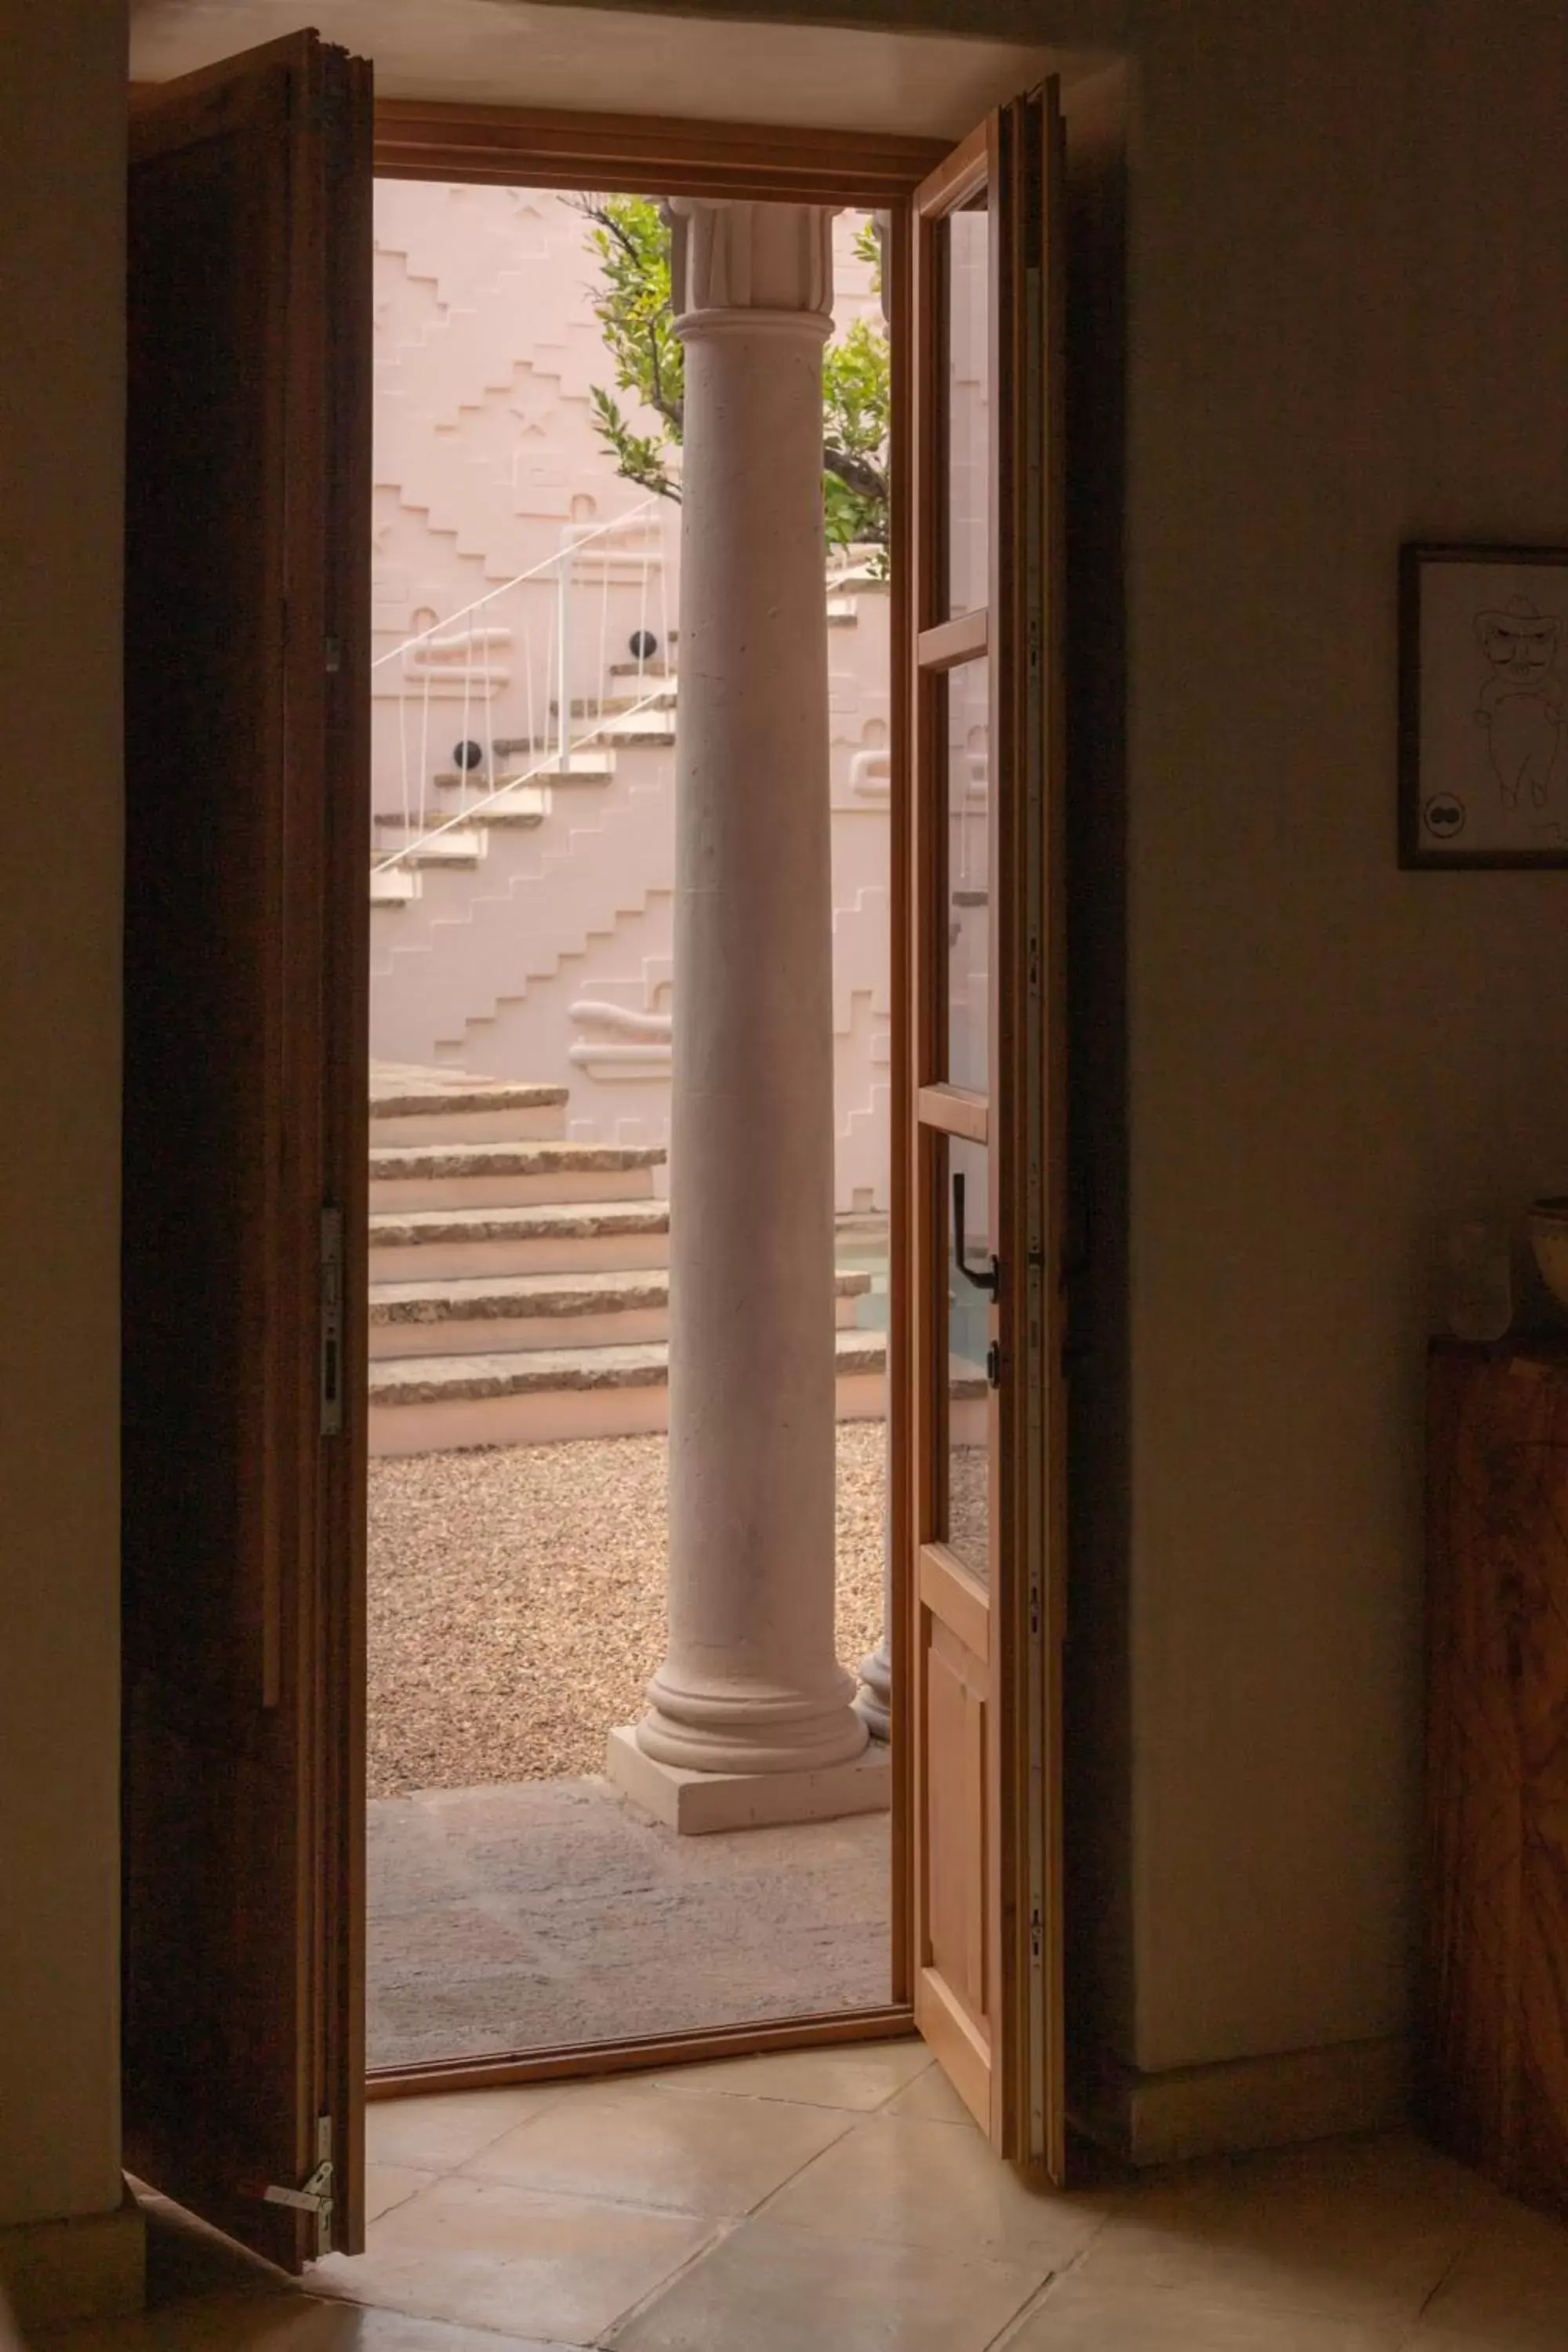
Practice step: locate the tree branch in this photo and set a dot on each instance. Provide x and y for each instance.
(855, 472)
(672, 411)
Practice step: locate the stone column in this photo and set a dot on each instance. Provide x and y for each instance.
(749, 1717)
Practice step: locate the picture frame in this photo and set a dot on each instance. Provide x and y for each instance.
(1483, 707)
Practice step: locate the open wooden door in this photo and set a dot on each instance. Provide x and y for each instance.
(246, 961)
(985, 1095)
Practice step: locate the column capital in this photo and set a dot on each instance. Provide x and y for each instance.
(750, 265)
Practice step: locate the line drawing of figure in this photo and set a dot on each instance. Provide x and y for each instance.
(1521, 704)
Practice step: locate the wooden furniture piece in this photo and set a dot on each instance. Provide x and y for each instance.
(1496, 2039)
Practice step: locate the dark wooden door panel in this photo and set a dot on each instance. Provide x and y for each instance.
(245, 807)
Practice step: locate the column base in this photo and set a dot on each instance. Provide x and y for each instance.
(697, 1803)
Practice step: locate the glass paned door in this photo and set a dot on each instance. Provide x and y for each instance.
(983, 1140)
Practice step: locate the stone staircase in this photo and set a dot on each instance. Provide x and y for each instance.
(570, 852)
(519, 1282)
(523, 898)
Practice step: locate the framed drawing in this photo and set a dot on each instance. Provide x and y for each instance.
(1483, 705)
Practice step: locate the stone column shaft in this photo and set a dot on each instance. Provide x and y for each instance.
(750, 1683)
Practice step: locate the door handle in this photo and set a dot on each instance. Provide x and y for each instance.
(990, 1280)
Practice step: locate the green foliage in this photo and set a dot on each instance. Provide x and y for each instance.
(634, 309)
(642, 457)
(855, 421)
(632, 246)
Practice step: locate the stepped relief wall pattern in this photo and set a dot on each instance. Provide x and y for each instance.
(539, 947)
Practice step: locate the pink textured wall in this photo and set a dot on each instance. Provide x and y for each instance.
(550, 956)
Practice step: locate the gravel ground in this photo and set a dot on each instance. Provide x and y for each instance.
(517, 1602)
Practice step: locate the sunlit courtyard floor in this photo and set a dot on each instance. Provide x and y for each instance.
(517, 1608)
(517, 1602)
(551, 1911)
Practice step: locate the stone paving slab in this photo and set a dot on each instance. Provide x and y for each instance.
(551, 1911)
(398, 1090)
(551, 1156)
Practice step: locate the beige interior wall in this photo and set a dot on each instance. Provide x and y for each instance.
(1336, 346)
(62, 117)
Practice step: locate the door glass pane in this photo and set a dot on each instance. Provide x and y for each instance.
(968, 701)
(967, 1529)
(968, 245)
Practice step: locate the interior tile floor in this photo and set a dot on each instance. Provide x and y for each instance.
(839, 2200)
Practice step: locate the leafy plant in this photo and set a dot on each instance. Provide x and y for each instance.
(634, 308)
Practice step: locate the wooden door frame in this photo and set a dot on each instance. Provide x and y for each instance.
(656, 156)
(514, 146)
(418, 139)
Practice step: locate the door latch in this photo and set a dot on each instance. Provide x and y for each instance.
(989, 1278)
(316, 2196)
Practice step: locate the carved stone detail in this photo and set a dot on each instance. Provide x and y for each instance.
(753, 259)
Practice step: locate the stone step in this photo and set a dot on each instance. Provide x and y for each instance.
(594, 766)
(658, 697)
(435, 1404)
(509, 1175)
(523, 1313)
(574, 1237)
(393, 885)
(459, 845)
(410, 1104)
(510, 804)
(632, 731)
(653, 726)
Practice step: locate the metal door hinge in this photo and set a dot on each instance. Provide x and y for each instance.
(994, 1365)
(331, 1322)
(316, 2196)
(332, 656)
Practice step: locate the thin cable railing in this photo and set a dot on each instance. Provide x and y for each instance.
(546, 656)
(534, 571)
(550, 764)
(548, 653)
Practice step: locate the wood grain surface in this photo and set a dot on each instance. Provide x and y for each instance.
(1495, 2041)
